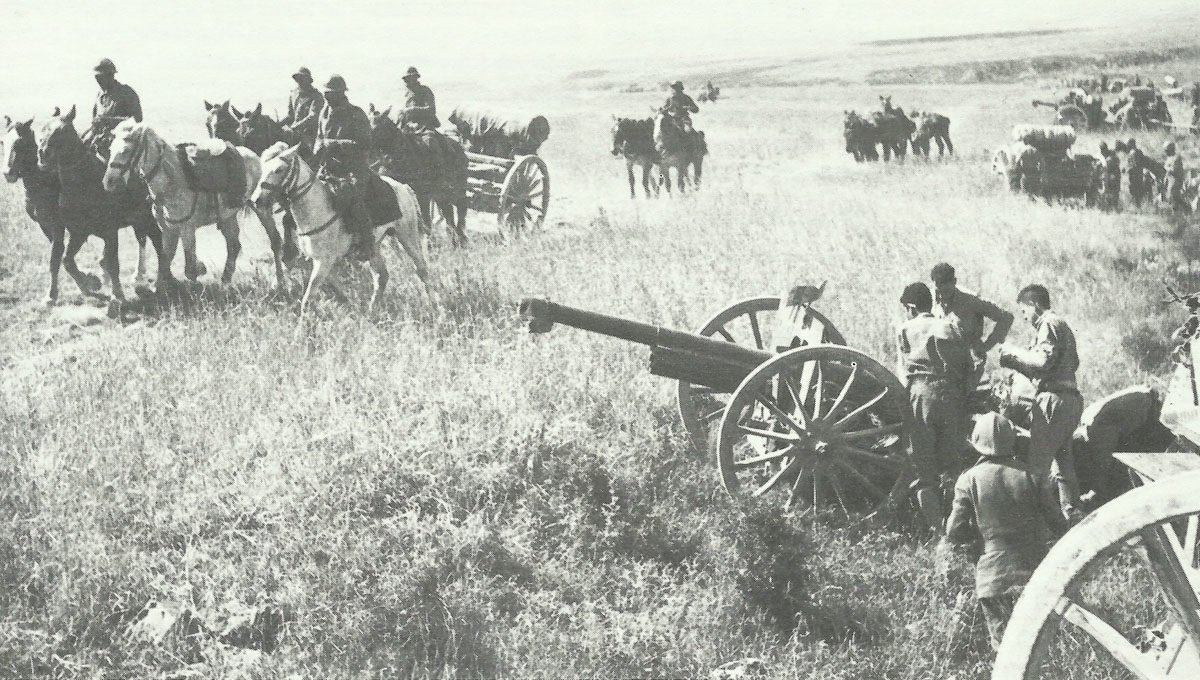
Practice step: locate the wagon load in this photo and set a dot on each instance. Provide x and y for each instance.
(491, 135)
(1047, 138)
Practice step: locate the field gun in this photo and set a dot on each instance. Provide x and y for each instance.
(774, 391)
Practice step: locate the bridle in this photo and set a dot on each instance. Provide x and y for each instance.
(287, 192)
(134, 162)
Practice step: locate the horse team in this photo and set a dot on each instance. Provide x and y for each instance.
(659, 142)
(893, 131)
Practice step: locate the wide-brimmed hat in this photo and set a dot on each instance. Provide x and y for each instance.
(994, 436)
(302, 72)
(677, 85)
(412, 72)
(105, 66)
(336, 83)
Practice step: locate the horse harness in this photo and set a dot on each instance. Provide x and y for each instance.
(148, 175)
(289, 194)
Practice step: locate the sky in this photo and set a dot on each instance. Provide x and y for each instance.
(180, 53)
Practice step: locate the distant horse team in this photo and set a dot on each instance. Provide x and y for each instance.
(890, 132)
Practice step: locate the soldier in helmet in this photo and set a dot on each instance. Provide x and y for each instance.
(1176, 177)
(420, 108)
(304, 110)
(1110, 181)
(115, 102)
(343, 142)
(1135, 168)
(680, 106)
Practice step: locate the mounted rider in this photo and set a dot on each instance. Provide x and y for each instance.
(342, 144)
(679, 106)
(115, 102)
(420, 108)
(304, 110)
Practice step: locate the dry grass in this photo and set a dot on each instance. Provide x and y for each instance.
(433, 493)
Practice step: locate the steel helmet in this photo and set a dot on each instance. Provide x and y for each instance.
(994, 437)
(105, 66)
(1169, 148)
(336, 83)
(412, 72)
(303, 72)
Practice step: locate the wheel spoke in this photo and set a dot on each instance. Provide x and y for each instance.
(767, 434)
(1173, 577)
(725, 334)
(713, 415)
(861, 409)
(754, 328)
(1142, 666)
(818, 392)
(780, 414)
(837, 403)
(881, 431)
(794, 495)
(864, 481)
(770, 483)
(764, 458)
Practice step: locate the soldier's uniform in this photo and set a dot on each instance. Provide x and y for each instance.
(1110, 183)
(937, 365)
(1176, 177)
(1122, 421)
(304, 109)
(113, 104)
(1000, 514)
(420, 106)
(968, 311)
(680, 106)
(1135, 167)
(342, 144)
(1050, 363)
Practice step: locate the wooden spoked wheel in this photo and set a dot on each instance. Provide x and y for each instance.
(753, 323)
(816, 425)
(1116, 596)
(524, 197)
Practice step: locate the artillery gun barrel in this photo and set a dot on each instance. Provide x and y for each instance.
(674, 354)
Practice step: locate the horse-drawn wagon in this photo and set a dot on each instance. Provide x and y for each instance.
(1135, 108)
(1039, 162)
(505, 174)
(1116, 597)
(790, 411)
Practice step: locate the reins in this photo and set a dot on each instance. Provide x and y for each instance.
(135, 160)
(287, 193)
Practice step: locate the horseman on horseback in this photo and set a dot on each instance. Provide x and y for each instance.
(420, 109)
(679, 106)
(115, 102)
(343, 142)
(304, 111)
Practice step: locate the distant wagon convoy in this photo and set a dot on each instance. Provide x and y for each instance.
(1134, 108)
(505, 175)
(1039, 163)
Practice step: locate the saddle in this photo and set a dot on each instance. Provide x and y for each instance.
(213, 166)
(380, 200)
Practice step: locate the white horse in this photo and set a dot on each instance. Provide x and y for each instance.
(323, 236)
(181, 210)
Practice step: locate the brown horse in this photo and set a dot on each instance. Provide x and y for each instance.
(41, 186)
(861, 137)
(680, 149)
(634, 139)
(434, 165)
(221, 122)
(86, 209)
(260, 132)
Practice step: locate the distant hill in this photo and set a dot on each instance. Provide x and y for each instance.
(964, 36)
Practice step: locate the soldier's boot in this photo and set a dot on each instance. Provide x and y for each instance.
(361, 230)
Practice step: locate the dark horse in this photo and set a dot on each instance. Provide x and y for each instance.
(861, 137)
(221, 123)
(894, 129)
(634, 139)
(434, 165)
(41, 186)
(259, 132)
(86, 209)
(678, 148)
(933, 126)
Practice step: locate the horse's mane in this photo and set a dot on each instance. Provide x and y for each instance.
(274, 151)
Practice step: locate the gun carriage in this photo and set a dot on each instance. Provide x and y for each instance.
(788, 411)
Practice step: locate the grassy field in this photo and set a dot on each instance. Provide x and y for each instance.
(431, 492)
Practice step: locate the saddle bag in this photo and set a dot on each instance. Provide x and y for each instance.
(213, 166)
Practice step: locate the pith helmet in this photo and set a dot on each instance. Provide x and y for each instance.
(105, 66)
(412, 72)
(677, 85)
(302, 72)
(336, 83)
(994, 436)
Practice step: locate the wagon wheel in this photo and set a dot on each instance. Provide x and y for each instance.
(1096, 574)
(819, 424)
(525, 196)
(1073, 116)
(751, 322)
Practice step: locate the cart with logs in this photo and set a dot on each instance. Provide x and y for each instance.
(505, 176)
(789, 412)
(1116, 597)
